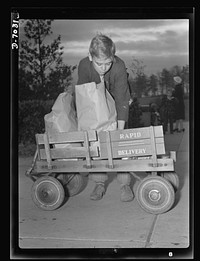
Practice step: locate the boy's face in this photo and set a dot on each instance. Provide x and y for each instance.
(102, 65)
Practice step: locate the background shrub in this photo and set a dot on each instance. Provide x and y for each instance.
(135, 113)
(31, 119)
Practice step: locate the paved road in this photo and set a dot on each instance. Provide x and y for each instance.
(108, 223)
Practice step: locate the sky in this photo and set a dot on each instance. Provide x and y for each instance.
(158, 43)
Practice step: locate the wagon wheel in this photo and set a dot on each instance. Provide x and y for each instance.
(173, 178)
(155, 195)
(135, 185)
(48, 193)
(73, 183)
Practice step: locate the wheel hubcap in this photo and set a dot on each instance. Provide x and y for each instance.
(47, 193)
(154, 195)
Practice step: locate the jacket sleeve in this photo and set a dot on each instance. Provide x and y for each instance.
(121, 92)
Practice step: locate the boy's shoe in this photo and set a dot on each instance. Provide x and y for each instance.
(98, 192)
(126, 193)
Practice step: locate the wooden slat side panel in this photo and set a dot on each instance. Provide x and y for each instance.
(127, 134)
(153, 145)
(128, 143)
(124, 151)
(133, 148)
(38, 147)
(59, 153)
(87, 149)
(158, 131)
(159, 140)
(67, 137)
(102, 166)
(160, 149)
(131, 134)
(67, 153)
(134, 142)
(47, 150)
(109, 149)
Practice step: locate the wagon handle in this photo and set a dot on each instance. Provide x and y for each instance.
(28, 172)
(135, 176)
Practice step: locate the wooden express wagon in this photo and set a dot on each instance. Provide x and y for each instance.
(62, 160)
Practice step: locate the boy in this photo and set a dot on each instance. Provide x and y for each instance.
(102, 65)
(167, 110)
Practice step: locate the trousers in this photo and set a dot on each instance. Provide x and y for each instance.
(165, 124)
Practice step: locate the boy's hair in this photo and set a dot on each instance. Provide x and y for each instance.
(102, 45)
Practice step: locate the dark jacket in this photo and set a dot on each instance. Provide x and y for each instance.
(116, 82)
(167, 108)
(180, 108)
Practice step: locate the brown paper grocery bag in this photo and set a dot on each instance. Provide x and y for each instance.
(95, 107)
(62, 118)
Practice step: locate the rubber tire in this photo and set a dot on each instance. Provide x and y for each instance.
(48, 193)
(75, 186)
(158, 187)
(135, 185)
(173, 178)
